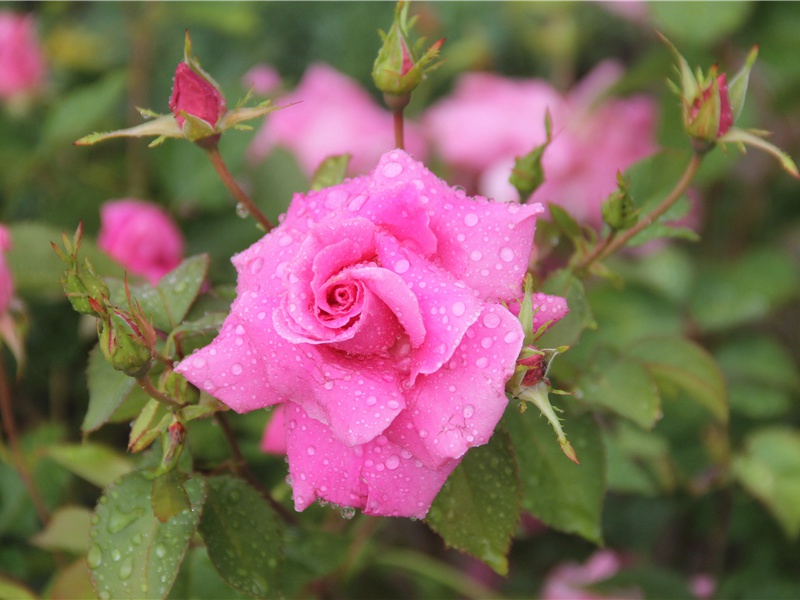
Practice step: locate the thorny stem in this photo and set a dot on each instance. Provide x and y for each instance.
(147, 385)
(241, 468)
(238, 193)
(614, 242)
(7, 412)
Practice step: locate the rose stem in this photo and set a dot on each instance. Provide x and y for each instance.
(147, 385)
(241, 468)
(399, 140)
(16, 450)
(615, 242)
(238, 193)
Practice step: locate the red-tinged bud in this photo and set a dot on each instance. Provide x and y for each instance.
(124, 344)
(193, 94)
(398, 69)
(726, 110)
(535, 368)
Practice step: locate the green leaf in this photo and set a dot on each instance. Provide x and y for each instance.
(151, 422)
(13, 589)
(568, 330)
(243, 537)
(769, 468)
(310, 555)
(169, 302)
(478, 508)
(638, 462)
(108, 388)
(198, 579)
(623, 385)
(699, 22)
(168, 496)
(565, 496)
(73, 582)
(331, 171)
(84, 110)
(95, 463)
(67, 530)
(133, 554)
(676, 362)
(35, 266)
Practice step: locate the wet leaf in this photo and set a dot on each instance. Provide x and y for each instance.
(565, 496)
(478, 508)
(133, 554)
(243, 536)
(96, 463)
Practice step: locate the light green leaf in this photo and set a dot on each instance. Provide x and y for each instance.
(95, 463)
(676, 362)
(331, 171)
(13, 589)
(623, 385)
(133, 554)
(243, 537)
(568, 330)
(478, 508)
(108, 388)
(163, 126)
(565, 496)
(73, 582)
(699, 22)
(769, 468)
(67, 530)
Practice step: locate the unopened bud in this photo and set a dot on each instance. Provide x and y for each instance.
(124, 344)
(619, 210)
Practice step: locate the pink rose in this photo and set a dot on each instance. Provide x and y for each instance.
(141, 236)
(262, 79)
(333, 115)
(193, 94)
(489, 120)
(375, 314)
(6, 283)
(22, 66)
(568, 581)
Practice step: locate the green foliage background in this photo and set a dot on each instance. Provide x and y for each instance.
(691, 486)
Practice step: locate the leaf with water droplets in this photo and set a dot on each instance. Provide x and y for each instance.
(168, 302)
(243, 536)
(132, 553)
(169, 498)
(478, 508)
(566, 496)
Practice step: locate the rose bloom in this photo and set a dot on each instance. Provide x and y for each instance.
(489, 120)
(569, 580)
(22, 66)
(333, 115)
(374, 316)
(141, 236)
(6, 283)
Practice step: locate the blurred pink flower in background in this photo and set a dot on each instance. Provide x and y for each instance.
(489, 120)
(262, 79)
(22, 65)
(141, 236)
(333, 115)
(569, 580)
(6, 283)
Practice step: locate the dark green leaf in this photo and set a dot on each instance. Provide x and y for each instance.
(108, 388)
(623, 385)
(133, 554)
(310, 555)
(243, 536)
(198, 579)
(565, 496)
(679, 363)
(179, 288)
(769, 468)
(478, 508)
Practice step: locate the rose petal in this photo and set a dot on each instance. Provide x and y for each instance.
(380, 477)
(274, 439)
(459, 405)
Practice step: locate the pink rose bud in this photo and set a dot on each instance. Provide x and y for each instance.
(710, 115)
(195, 95)
(376, 315)
(22, 66)
(141, 236)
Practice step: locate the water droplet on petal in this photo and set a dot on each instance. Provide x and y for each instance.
(256, 266)
(311, 450)
(476, 255)
(236, 369)
(458, 308)
(392, 462)
(491, 320)
(348, 512)
(392, 169)
(507, 254)
(482, 362)
(470, 219)
(401, 266)
(469, 410)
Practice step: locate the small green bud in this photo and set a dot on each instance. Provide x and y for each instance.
(619, 210)
(398, 70)
(123, 344)
(528, 174)
(86, 291)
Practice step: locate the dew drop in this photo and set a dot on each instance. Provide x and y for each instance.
(506, 254)
(160, 550)
(482, 362)
(117, 521)
(401, 266)
(392, 169)
(236, 369)
(392, 462)
(486, 342)
(371, 401)
(476, 255)
(491, 320)
(469, 410)
(126, 568)
(311, 450)
(393, 404)
(115, 555)
(348, 512)
(458, 308)
(241, 211)
(511, 337)
(470, 219)
(95, 556)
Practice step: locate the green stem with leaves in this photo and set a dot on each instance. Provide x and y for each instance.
(617, 240)
(238, 193)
